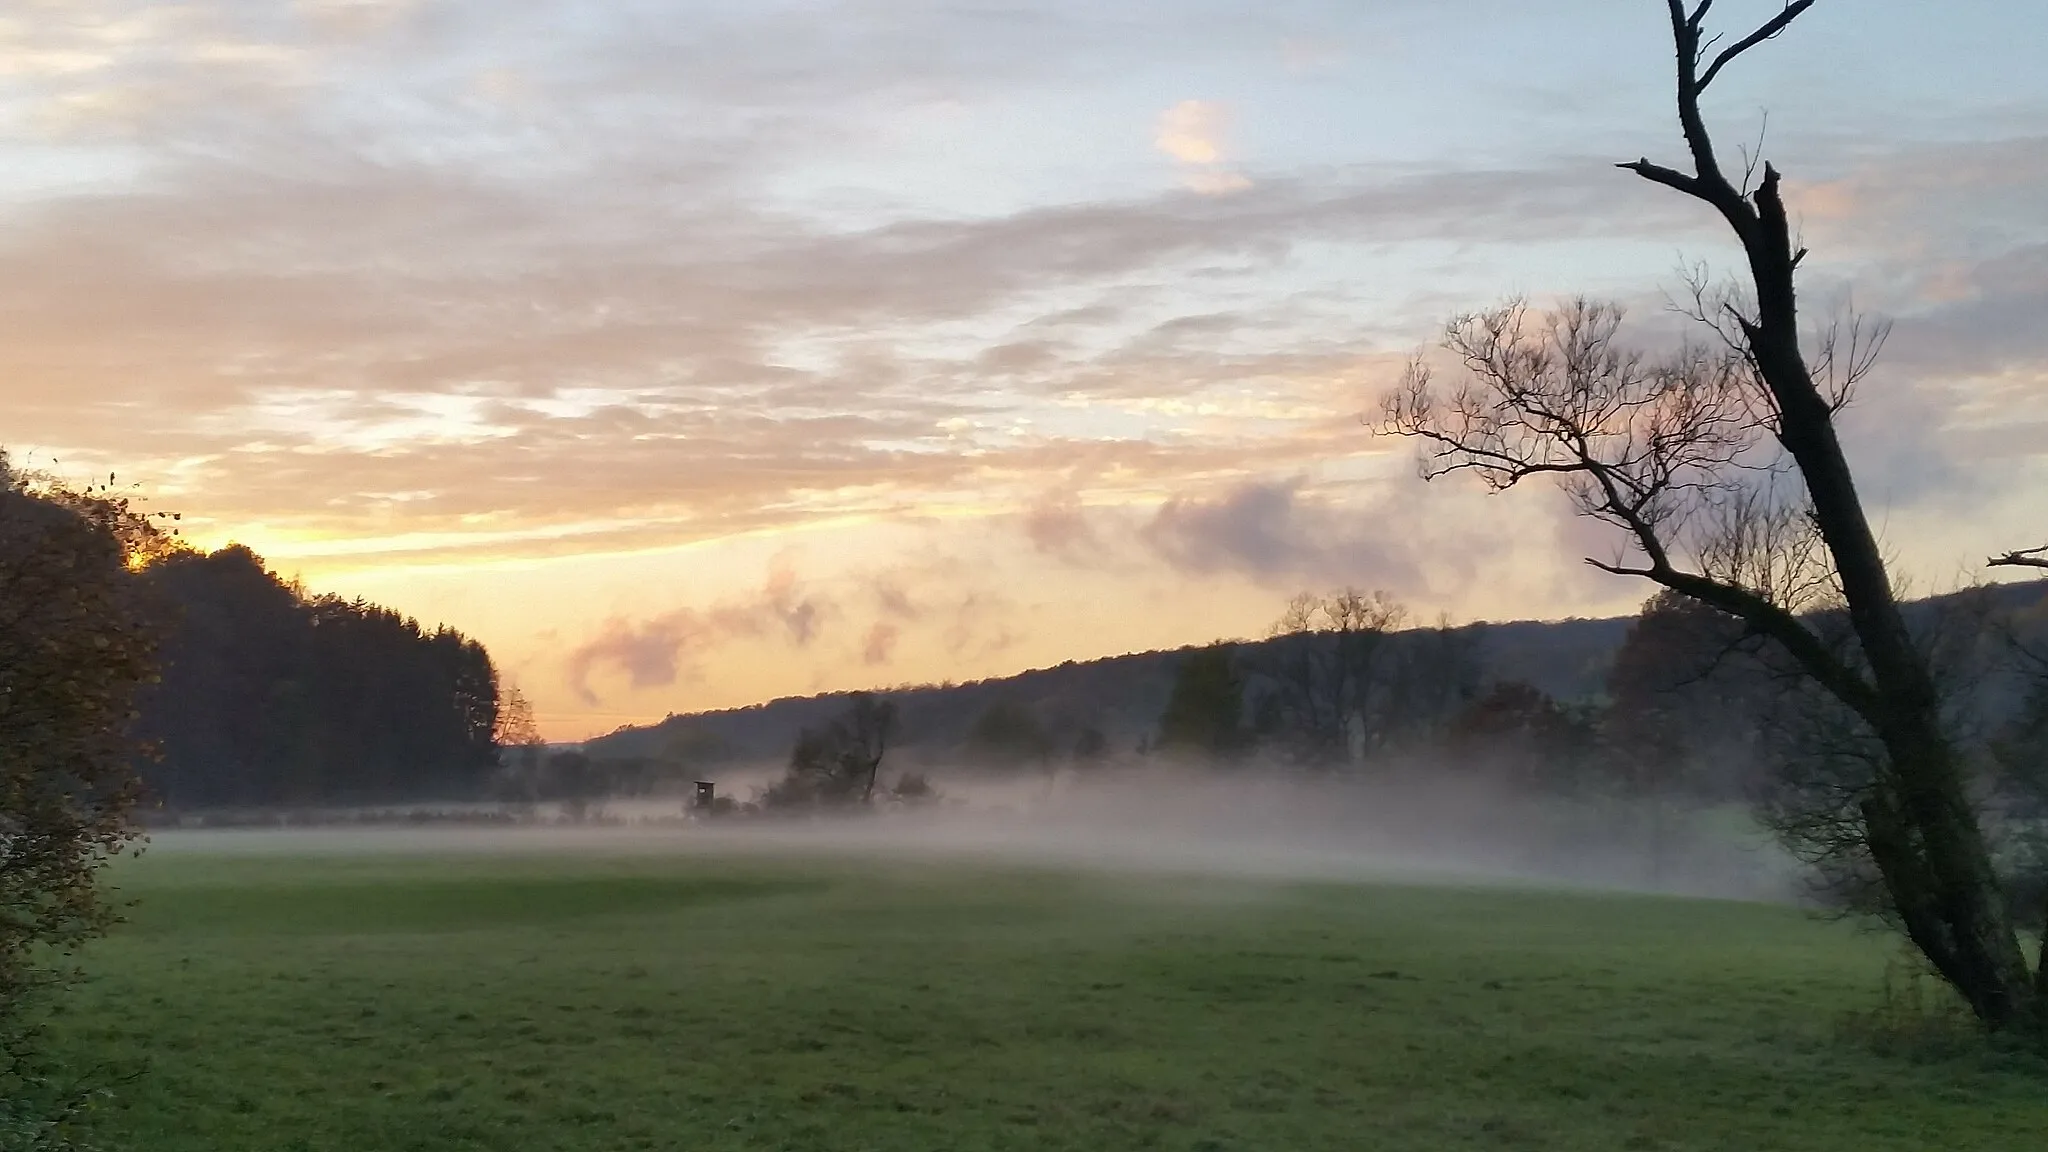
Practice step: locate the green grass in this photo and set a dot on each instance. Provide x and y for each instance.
(690, 1002)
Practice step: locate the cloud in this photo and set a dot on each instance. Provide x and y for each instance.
(651, 654)
(893, 601)
(1216, 182)
(1057, 525)
(660, 651)
(544, 356)
(1271, 531)
(932, 596)
(880, 643)
(1192, 132)
(1302, 56)
(797, 612)
(1984, 320)
(977, 626)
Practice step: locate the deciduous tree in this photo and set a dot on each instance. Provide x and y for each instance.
(1205, 711)
(1722, 468)
(837, 763)
(1009, 735)
(1324, 673)
(77, 641)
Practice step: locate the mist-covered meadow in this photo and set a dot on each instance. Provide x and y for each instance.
(616, 990)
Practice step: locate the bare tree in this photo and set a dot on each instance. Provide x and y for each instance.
(1434, 673)
(1323, 669)
(1722, 466)
(522, 750)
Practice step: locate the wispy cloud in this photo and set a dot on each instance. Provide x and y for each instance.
(881, 643)
(1192, 132)
(657, 652)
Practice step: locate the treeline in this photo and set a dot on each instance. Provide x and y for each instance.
(272, 696)
(1689, 710)
(1120, 697)
(257, 693)
(1691, 705)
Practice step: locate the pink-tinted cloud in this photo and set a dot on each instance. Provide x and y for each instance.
(880, 643)
(667, 648)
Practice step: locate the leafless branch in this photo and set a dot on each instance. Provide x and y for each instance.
(1707, 182)
(1770, 29)
(1661, 449)
(1753, 156)
(1845, 351)
(2024, 558)
(1669, 177)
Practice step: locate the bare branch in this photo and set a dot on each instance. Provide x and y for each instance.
(1673, 451)
(1846, 349)
(1753, 156)
(2024, 558)
(1770, 29)
(1660, 449)
(1669, 177)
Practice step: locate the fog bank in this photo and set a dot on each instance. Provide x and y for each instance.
(1435, 828)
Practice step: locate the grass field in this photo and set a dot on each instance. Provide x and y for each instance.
(695, 1002)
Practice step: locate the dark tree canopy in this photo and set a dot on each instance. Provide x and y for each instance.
(836, 764)
(1009, 734)
(270, 696)
(1521, 736)
(1684, 697)
(78, 640)
(1205, 713)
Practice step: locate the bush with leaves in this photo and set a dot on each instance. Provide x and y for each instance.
(78, 639)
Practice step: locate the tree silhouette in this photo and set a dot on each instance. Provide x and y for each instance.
(1325, 673)
(836, 764)
(1008, 735)
(1723, 469)
(78, 640)
(271, 697)
(1205, 712)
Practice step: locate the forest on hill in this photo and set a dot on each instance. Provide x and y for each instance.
(244, 688)
(1676, 701)
(272, 696)
(1569, 661)
(1123, 696)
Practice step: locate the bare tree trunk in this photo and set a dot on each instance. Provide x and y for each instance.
(1644, 446)
(1924, 833)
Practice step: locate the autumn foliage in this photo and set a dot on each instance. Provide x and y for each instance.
(77, 642)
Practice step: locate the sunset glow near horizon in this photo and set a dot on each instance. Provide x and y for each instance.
(692, 354)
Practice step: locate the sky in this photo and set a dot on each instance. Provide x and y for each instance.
(693, 354)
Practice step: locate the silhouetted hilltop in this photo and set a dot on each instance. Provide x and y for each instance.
(1123, 696)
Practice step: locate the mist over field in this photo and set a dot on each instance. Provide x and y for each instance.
(1421, 828)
